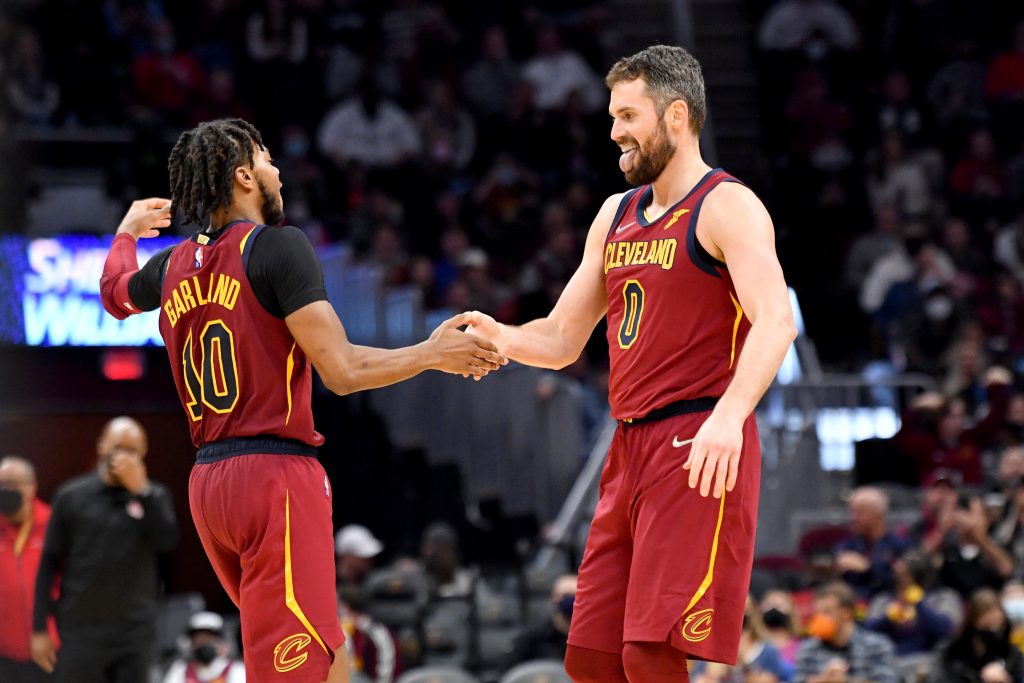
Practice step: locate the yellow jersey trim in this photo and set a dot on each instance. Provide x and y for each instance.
(735, 329)
(710, 576)
(289, 587)
(241, 245)
(289, 368)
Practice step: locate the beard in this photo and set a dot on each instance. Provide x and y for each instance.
(649, 162)
(272, 207)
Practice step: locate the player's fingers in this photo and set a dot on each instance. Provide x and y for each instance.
(707, 475)
(721, 476)
(492, 357)
(698, 453)
(484, 344)
(734, 471)
(455, 321)
(151, 203)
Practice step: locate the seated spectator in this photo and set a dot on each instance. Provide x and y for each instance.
(918, 613)
(372, 648)
(969, 557)
(868, 248)
(898, 111)
(439, 552)
(782, 622)
(276, 34)
(758, 660)
(556, 71)
(1001, 315)
(548, 639)
(208, 658)
(1005, 78)
(490, 81)
(938, 502)
(369, 130)
(956, 90)
(355, 547)
(815, 119)
(815, 26)
(169, 81)
(979, 174)
(898, 178)
(982, 652)
(447, 130)
(32, 95)
(865, 558)
(1008, 247)
(838, 649)
(941, 438)
(1012, 599)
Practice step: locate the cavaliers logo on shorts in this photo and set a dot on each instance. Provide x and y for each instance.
(697, 626)
(289, 653)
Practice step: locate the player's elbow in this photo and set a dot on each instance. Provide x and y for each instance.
(339, 383)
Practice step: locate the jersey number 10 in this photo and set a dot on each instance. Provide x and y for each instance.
(215, 383)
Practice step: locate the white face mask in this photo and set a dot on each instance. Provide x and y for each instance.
(938, 308)
(1014, 610)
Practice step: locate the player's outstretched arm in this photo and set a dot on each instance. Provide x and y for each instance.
(345, 367)
(741, 231)
(557, 340)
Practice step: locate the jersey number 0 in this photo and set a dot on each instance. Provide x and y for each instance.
(214, 383)
(632, 311)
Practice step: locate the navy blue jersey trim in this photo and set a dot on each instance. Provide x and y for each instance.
(645, 200)
(699, 256)
(248, 246)
(619, 211)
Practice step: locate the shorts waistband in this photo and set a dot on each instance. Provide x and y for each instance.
(684, 407)
(252, 445)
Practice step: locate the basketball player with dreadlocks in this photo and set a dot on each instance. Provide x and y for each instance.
(244, 315)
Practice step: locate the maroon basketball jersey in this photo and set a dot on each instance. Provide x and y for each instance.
(238, 369)
(675, 326)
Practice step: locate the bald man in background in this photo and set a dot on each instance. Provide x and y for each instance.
(106, 531)
(864, 560)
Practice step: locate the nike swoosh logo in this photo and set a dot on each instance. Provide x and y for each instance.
(623, 227)
(676, 443)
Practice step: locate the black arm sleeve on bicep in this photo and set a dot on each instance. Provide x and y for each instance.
(144, 287)
(284, 271)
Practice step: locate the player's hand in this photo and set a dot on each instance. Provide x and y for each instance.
(130, 471)
(44, 651)
(715, 455)
(463, 354)
(145, 217)
(995, 672)
(486, 327)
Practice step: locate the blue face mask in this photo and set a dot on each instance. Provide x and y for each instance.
(1014, 610)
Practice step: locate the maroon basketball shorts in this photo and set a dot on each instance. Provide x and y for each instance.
(663, 564)
(265, 522)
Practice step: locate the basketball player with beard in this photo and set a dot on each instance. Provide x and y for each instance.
(244, 314)
(699, 320)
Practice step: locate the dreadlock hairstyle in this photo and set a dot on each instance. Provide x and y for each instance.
(202, 164)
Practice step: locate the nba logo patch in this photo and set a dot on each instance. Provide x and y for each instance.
(199, 257)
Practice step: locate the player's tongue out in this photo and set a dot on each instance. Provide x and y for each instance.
(628, 160)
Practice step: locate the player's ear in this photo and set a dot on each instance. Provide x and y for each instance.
(245, 176)
(677, 115)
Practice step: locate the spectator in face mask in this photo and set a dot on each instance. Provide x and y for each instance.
(758, 660)
(207, 659)
(1013, 604)
(778, 611)
(355, 548)
(548, 640)
(839, 651)
(23, 520)
(982, 653)
(916, 614)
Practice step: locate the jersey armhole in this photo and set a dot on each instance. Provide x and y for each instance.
(619, 211)
(247, 243)
(698, 254)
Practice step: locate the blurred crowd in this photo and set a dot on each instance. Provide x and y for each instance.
(462, 148)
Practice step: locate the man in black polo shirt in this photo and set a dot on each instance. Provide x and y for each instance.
(105, 532)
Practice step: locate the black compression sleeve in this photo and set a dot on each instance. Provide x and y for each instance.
(284, 271)
(144, 286)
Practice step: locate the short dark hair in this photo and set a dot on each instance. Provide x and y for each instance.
(203, 162)
(842, 592)
(670, 74)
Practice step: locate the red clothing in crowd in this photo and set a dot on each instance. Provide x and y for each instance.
(21, 547)
(1006, 76)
